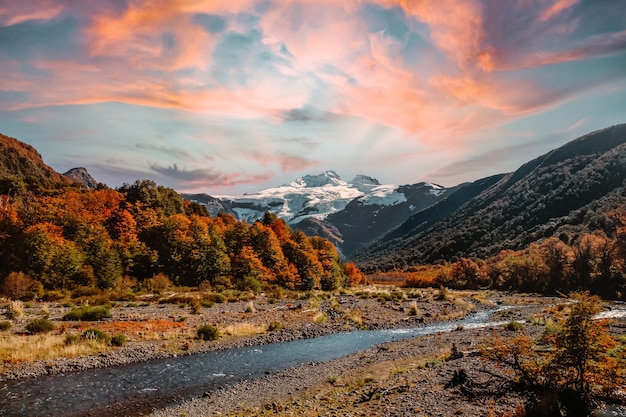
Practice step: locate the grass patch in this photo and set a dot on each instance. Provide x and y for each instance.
(86, 313)
(43, 346)
(244, 329)
(40, 326)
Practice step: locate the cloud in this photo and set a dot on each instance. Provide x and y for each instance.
(203, 178)
(306, 143)
(556, 9)
(180, 153)
(20, 12)
(278, 84)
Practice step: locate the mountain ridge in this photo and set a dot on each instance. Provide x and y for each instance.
(349, 213)
(560, 193)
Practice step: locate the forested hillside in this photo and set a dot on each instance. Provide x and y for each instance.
(556, 224)
(563, 193)
(56, 235)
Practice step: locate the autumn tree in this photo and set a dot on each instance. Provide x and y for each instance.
(465, 273)
(578, 356)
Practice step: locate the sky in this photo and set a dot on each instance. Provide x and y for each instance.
(230, 97)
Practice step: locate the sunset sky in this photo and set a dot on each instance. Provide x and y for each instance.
(227, 97)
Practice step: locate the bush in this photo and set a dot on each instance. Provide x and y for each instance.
(86, 313)
(208, 332)
(40, 326)
(53, 296)
(118, 340)
(158, 283)
(85, 292)
(19, 286)
(71, 339)
(514, 326)
(249, 284)
(96, 335)
(215, 297)
(5, 325)
(274, 325)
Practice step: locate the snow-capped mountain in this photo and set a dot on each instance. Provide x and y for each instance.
(351, 213)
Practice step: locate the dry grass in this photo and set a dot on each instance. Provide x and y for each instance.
(355, 316)
(320, 317)
(244, 329)
(143, 330)
(16, 308)
(17, 348)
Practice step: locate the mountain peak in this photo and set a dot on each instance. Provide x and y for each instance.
(361, 179)
(325, 178)
(80, 175)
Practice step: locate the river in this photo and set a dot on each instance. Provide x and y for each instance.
(138, 388)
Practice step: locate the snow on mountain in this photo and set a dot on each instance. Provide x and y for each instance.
(315, 196)
(350, 213)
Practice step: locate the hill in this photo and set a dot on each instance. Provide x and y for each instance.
(563, 193)
(19, 161)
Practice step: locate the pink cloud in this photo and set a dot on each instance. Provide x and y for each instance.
(333, 61)
(557, 8)
(23, 11)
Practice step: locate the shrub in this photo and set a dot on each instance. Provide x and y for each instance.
(118, 340)
(19, 286)
(15, 309)
(196, 306)
(215, 297)
(85, 292)
(250, 308)
(208, 332)
(86, 313)
(274, 325)
(249, 284)
(96, 335)
(158, 283)
(53, 296)
(514, 326)
(71, 339)
(5, 325)
(40, 326)
(442, 295)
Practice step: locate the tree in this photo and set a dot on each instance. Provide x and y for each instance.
(465, 273)
(579, 356)
(581, 359)
(19, 286)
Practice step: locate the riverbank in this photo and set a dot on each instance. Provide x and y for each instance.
(409, 377)
(157, 329)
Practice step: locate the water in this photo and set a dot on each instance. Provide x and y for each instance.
(137, 388)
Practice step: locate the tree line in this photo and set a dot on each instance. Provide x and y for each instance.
(63, 237)
(593, 261)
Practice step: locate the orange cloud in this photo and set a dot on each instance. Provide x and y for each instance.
(456, 26)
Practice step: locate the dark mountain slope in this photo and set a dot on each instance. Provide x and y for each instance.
(358, 223)
(564, 191)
